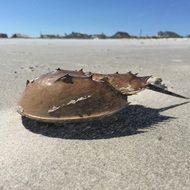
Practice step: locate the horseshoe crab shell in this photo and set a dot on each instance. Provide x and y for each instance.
(69, 96)
(72, 96)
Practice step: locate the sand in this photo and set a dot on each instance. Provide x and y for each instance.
(145, 147)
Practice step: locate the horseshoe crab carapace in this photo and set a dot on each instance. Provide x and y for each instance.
(73, 96)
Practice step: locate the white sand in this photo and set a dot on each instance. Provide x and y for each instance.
(97, 158)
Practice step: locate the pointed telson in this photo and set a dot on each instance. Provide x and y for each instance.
(161, 90)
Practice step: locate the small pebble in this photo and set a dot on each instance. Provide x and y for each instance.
(160, 138)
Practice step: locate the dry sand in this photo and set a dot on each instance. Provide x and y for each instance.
(145, 147)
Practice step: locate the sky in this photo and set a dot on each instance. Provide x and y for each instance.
(34, 17)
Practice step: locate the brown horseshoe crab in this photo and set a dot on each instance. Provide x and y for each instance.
(72, 96)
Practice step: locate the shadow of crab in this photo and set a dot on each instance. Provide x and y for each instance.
(130, 121)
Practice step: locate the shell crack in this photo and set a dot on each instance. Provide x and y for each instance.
(71, 102)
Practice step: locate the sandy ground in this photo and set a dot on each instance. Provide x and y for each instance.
(145, 147)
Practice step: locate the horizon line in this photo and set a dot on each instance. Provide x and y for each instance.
(65, 34)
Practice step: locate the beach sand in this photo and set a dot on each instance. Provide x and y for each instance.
(145, 147)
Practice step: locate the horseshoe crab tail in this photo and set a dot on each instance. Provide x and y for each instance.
(161, 90)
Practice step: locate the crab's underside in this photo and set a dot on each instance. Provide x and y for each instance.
(71, 96)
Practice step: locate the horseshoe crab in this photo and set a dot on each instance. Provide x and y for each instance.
(73, 96)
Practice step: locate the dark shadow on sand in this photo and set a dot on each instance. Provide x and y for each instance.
(130, 121)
